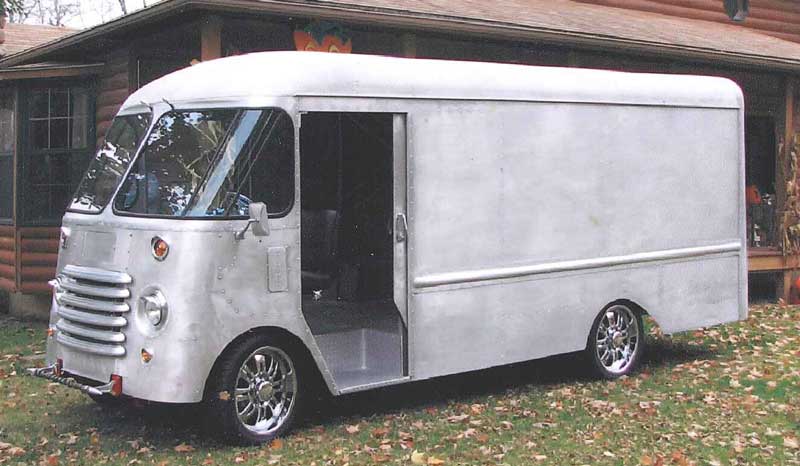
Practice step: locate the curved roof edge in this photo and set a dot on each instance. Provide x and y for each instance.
(321, 74)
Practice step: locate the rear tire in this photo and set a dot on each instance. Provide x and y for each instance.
(616, 341)
(258, 389)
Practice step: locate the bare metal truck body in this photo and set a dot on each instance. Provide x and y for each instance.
(524, 201)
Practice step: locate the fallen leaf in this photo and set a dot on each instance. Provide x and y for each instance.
(435, 461)
(276, 444)
(15, 451)
(354, 429)
(791, 442)
(224, 396)
(417, 457)
(184, 448)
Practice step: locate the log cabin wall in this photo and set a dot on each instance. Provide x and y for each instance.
(114, 86)
(38, 256)
(8, 259)
(778, 18)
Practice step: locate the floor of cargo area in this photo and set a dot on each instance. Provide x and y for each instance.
(361, 342)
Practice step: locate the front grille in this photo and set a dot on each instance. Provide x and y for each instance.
(92, 307)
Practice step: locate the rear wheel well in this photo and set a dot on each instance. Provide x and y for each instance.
(635, 307)
(298, 347)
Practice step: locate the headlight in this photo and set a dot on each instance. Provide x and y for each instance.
(155, 307)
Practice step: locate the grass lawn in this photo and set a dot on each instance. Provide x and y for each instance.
(727, 395)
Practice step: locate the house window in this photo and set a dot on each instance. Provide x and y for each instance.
(7, 144)
(59, 145)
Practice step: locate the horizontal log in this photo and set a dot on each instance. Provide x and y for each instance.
(38, 273)
(8, 285)
(40, 232)
(33, 287)
(116, 96)
(112, 82)
(8, 271)
(7, 244)
(107, 112)
(38, 258)
(39, 245)
(8, 257)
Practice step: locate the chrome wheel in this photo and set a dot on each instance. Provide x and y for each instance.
(265, 390)
(617, 339)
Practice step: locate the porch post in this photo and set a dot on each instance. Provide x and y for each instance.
(210, 38)
(784, 171)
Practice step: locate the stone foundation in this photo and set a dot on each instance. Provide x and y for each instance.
(29, 306)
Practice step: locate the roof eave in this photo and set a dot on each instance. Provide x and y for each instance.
(413, 20)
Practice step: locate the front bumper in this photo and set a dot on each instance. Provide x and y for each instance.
(54, 375)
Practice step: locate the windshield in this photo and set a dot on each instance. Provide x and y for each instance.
(212, 163)
(109, 166)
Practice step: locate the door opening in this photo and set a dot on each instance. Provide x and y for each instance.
(347, 244)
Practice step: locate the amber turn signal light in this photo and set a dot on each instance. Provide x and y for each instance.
(116, 387)
(160, 248)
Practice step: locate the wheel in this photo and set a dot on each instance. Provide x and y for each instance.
(256, 393)
(616, 341)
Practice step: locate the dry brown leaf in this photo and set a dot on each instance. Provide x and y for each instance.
(646, 461)
(354, 429)
(4, 446)
(15, 451)
(417, 457)
(184, 448)
(791, 442)
(434, 461)
(224, 396)
(276, 444)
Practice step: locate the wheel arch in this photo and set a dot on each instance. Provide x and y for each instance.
(297, 343)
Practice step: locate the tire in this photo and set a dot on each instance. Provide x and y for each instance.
(257, 390)
(616, 341)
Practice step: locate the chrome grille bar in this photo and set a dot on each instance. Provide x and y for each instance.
(97, 275)
(69, 284)
(88, 318)
(81, 331)
(90, 347)
(79, 302)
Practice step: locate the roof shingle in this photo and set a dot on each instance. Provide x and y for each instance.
(19, 37)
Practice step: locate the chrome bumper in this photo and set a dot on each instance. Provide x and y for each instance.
(49, 373)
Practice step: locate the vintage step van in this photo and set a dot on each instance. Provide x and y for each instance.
(254, 224)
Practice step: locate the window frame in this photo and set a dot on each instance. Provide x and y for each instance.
(272, 215)
(26, 151)
(13, 91)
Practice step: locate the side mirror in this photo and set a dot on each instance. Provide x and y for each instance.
(259, 218)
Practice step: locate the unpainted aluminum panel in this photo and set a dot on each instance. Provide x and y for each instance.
(501, 185)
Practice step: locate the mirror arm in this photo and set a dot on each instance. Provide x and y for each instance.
(239, 235)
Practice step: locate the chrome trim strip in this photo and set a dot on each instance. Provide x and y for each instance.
(92, 304)
(91, 319)
(97, 275)
(98, 291)
(88, 347)
(107, 336)
(468, 276)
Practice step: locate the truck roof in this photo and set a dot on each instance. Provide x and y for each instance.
(269, 74)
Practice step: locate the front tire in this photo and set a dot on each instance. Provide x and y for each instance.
(616, 341)
(257, 390)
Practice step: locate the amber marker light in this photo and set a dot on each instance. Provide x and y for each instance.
(146, 356)
(116, 387)
(160, 248)
(51, 332)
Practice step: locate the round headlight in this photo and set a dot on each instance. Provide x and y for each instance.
(155, 306)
